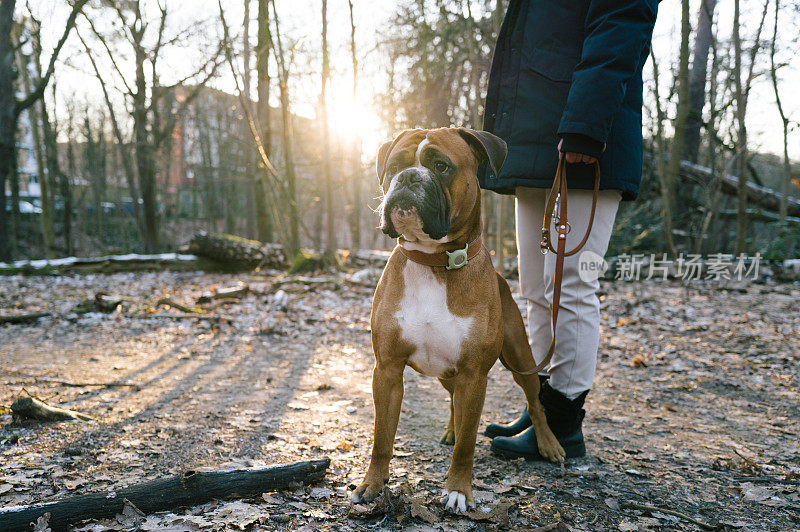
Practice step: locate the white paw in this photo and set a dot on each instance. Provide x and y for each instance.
(354, 497)
(455, 502)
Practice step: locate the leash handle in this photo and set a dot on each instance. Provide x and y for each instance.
(559, 192)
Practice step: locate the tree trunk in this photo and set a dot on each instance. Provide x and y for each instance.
(330, 218)
(54, 177)
(681, 116)
(125, 154)
(741, 135)
(787, 165)
(37, 116)
(356, 177)
(697, 78)
(667, 185)
(250, 187)
(264, 113)
(8, 122)
(44, 159)
(144, 151)
(66, 191)
(288, 141)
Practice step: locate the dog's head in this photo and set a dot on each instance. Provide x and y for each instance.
(429, 180)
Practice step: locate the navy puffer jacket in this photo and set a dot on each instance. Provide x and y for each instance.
(569, 69)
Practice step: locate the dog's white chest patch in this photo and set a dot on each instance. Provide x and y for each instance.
(427, 323)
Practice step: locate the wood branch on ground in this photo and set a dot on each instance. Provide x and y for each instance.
(29, 317)
(36, 409)
(681, 515)
(765, 197)
(71, 384)
(174, 304)
(235, 252)
(108, 264)
(184, 490)
(232, 292)
(188, 316)
(101, 302)
(303, 280)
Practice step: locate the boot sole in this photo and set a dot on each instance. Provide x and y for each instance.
(572, 451)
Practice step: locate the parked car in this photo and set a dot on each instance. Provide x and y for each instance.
(25, 207)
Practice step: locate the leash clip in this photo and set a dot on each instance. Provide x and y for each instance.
(457, 259)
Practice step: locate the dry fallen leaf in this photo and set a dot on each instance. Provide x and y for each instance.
(42, 524)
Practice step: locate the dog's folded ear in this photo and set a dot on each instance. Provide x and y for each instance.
(386, 150)
(488, 147)
(382, 157)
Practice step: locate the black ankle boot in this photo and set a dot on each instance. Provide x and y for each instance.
(516, 426)
(564, 416)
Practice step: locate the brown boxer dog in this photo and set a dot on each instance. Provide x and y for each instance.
(439, 306)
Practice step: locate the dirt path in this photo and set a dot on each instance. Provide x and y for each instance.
(694, 410)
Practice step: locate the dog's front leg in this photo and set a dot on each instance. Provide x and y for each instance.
(387, 394)
(468, 396)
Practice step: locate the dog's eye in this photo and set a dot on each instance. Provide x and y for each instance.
(441, 167)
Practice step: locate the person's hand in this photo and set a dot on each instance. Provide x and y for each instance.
(573, 157)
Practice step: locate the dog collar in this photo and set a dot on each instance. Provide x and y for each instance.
(451, 260)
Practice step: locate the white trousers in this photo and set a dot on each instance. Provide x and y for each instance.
(574, 361)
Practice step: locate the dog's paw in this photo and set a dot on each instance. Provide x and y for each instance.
(551, 450)
(456, 502)
(449, 437)
(367, 491)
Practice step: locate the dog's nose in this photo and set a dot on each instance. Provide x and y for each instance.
(408, 177)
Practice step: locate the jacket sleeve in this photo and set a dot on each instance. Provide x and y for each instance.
(618, 32)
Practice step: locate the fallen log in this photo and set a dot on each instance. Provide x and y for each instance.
(729, 184)
(178, 491)
(32, 408)
(106, 264)
(235, 252)
(23, 318)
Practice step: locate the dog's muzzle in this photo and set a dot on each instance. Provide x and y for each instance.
(415, 190)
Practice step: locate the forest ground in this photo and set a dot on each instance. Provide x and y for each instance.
(694, 408)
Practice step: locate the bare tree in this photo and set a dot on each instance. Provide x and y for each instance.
(787, 165)
(11, 108)
(697, 78)
(122, 144)
(355, 207)
(330, 240)
(287, 138)
(151, 132)
(36, 117)
(742, 91)
(275, 188)
(681, 117)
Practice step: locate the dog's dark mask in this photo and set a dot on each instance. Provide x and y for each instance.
(419, 189)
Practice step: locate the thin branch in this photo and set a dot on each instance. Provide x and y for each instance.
(648, 508)
(250, 120)
(37, 93)
(126, 162)
(110, 54)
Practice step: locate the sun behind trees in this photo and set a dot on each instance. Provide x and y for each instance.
(129, 127)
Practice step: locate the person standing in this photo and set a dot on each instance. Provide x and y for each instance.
(566, 77)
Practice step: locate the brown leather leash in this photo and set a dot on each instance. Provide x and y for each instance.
(558, 194)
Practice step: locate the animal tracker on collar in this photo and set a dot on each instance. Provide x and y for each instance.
(451, 324)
